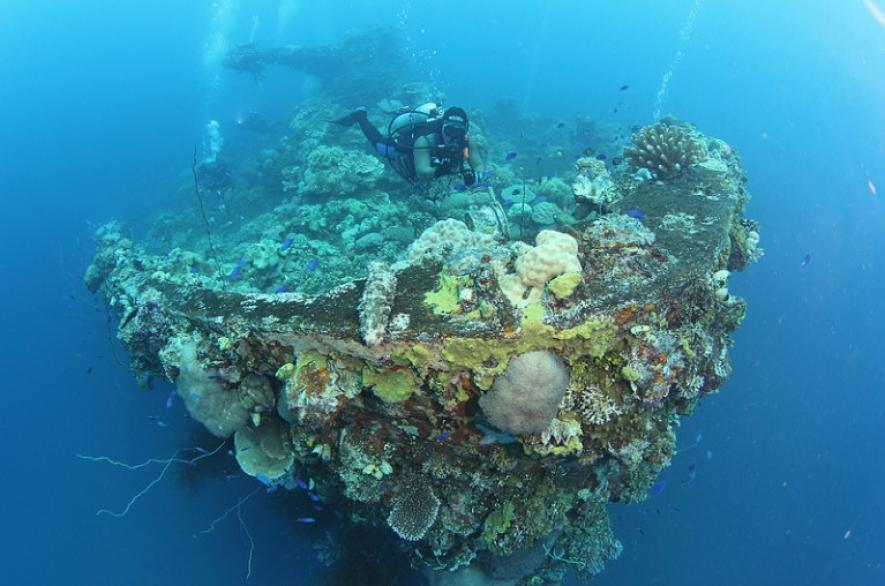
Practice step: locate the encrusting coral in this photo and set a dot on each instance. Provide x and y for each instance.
(413, 511)
(665, 150)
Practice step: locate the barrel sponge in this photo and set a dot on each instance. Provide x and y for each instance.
(205, 397)
(555, 253)
(525, 398)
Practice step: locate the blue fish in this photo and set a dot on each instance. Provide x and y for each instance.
(318, 508)
(281, 289)
(698, 439)
(313, 497)
(635, 213)
(551, 175)
(306, 520)
(510, 156)
(507, 201)
(231, 476)
(242, 261)
(195, 269)
(709, 455)
(601, 157)
(169, 400)
(262, 478)
(161, 423)
(560, 125)
(657, 489)
(538, 159)
(301, 484)
(312, 264)
(540, 198)
(460, 187)
(286, 244)
(235, 273)
(807, 260)
(443, 436)
(200, 450)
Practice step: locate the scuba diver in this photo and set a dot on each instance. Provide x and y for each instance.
(422, 143)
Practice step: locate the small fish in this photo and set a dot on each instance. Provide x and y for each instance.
(543, 145)
(657, 489)
(153, 417)
(510, 156)
(551, 175)
(494, 437)
(242, 261)
(262, 478)
(318, 508)
(281, 289)
(806, 261)
(442, 436)
(195, 269)
(313, 497)
(539, 198)
(560, 125)
(538, 160)
(872, 186)
(301, 484)
(169, 400)
(215, 377)
(161, 423)
(286, 244)
(231, 476)
(692, 467)
(89, 370)
(460, 187)
(507, 201)
(698, 439)
(601, 157)
(624, 88)
(312, 264)
(616, 160)
(306, 520)
(709, 455)
(200, 450)
(635, 213)
(235, 273)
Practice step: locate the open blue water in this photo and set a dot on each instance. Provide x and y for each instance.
(101, 104)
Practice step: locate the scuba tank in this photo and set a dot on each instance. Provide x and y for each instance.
(411, 118)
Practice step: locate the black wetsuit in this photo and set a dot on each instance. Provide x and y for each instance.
(398, 147)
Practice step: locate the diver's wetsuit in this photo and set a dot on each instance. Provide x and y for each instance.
(399, 150)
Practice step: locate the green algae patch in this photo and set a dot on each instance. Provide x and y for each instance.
(417, 355)
(445, 298)
(565, 284)
(390, 385)
(497, 522)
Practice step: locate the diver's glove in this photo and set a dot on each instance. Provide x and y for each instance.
(469, 178)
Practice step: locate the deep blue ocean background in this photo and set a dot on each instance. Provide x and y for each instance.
(101, 104)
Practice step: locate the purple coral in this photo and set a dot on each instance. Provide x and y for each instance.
(526, 397)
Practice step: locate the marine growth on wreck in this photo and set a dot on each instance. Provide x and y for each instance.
(480, 372)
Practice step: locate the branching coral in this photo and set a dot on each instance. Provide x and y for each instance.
(665, 150)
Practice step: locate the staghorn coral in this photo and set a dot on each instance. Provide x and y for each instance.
(414, 510)
(665, 150)
(524, 399)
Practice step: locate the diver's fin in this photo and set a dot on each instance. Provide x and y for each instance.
(350, 119)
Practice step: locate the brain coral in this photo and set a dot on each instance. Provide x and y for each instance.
(525, 398)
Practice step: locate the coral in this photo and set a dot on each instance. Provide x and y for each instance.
(594, 184)
(264, 452)
(332, 170)
(314, 389)
(564, 285)
(391, 386)
(524, 399)
(374, 308)
(205, 397)
(555, 253)
(665, 150)
(546, 213)
(444, 238)
(413, 510)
